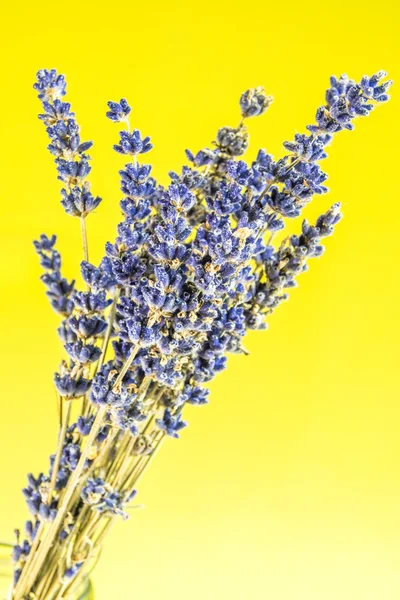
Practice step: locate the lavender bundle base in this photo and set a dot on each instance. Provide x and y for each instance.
(193, 267)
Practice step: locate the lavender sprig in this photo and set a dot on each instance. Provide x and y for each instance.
(71, 158)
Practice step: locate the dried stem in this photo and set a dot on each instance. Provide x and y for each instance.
(26, 583)
(110, 324)
(126, 366)
(50, 538)
(61, 436)
(84, 239)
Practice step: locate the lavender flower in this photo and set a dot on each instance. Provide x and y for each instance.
(65, 144)
(79, 202)
(70, 386)
(59, 290)
(102, 498)
(133, 143)
(119, 111)
(50, 85)
(254, 102)
(233, 141)
(171, 424)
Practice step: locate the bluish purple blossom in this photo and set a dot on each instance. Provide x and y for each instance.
(233, 141)
(70, 386)
(50, 85)
(65, 144)
(119, 111)
(132, 143)
(171, 424)
(79, 202)
(254, 102)
(59, 290)
(101, 497)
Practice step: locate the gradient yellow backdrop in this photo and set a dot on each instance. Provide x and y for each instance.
(287, 486)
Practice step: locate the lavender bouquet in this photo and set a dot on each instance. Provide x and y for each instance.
(193, 267)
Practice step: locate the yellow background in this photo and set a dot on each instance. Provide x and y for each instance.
(287, 486)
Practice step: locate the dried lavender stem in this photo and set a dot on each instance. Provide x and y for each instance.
(143, 388)
(84, 238)
(60, 594)
(126, 367)
(127, 455)
(110, 324)
(150, 457)
(52, 589)
(128, 484)
(64, 424)
(140, 467)
(72, 484)
(54, 571)
(105, 531)
(114, 472)
(31, 558)
(69, 591)
(46, 582)
(70, 490)
(114, 467)
(93, 519)
(105, 448)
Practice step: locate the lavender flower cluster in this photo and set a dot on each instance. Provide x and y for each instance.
(188, 274)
